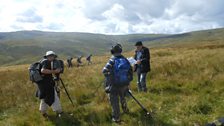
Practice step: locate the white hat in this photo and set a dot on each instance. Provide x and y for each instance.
(48, 53)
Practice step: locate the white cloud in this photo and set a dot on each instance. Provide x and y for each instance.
(111, 17)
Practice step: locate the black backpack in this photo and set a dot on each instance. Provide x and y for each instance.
(35, 72)
(61, 63)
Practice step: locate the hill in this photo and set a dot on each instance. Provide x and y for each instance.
(185, 88)
(27, 46)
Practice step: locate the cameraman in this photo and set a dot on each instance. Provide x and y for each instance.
(47, 93)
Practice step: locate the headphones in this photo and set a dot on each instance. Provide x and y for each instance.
(116, 49)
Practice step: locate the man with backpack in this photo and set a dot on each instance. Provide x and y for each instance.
(69, 61)
(47, 93)
(142, 67)
(79, 61)
(118, 73)
(88, 59)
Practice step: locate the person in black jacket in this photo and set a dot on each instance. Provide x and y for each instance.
(142, 67)
(47, 92)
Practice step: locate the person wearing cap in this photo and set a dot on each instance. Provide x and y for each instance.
(116, 91)
(142, 67)
(47, 92)
(69, 61)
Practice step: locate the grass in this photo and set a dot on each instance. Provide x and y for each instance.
(185, 88)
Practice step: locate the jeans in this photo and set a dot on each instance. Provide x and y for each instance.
(141, 80)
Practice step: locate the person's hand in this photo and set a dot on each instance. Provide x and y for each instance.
(56, 71)
(138, 62)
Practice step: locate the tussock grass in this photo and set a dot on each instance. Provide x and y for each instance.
(185, 88)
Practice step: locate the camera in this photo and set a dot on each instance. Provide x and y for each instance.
(56, 77)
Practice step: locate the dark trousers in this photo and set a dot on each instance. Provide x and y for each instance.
(46, 91)
(69, 64)
(115, 95)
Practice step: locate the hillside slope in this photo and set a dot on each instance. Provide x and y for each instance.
(27, 46)
(185, 88)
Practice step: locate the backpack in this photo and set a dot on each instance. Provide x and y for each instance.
(61, 65)
(121, 71)
(35, 72)
(58, 64)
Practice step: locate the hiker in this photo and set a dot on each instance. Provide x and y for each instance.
(142, 67)
(79, 61)
(88, 59)
(69, 61)
(118, 74)
(47, 91)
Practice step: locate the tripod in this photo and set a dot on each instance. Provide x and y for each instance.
(59, 80)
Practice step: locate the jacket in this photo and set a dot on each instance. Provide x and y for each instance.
(145, 60)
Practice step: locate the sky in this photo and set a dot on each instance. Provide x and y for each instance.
(112, 16)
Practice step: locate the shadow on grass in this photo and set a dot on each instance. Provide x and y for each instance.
(65, 120)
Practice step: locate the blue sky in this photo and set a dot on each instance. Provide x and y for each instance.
(111, 16)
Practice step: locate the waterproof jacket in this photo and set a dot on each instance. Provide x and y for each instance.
(145, 60)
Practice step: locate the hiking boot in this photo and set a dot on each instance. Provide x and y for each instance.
(125, 110)
(116, 120)
(59, 115)
(45, 115)
(139, 90)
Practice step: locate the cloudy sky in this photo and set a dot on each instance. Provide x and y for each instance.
(111, 16)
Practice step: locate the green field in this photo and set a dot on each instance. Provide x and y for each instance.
(185, 88)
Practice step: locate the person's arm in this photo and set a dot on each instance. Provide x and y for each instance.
(44, 69)
(146, 55)
(108, 68)
(135, 56)
(47, 71)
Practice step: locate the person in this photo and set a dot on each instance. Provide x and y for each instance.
(47, 92)
(142, 67)
(69, 61)
(88, 59)
(118, 75)
(79, 61)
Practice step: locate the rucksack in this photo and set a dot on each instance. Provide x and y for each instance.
(35, 72)
(121, 71)
(61, 63)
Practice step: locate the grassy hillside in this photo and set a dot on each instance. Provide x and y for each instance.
(215, 36)
(185, 88)
(27, 46)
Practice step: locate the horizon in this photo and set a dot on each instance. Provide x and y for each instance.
(111, 17)
(112, 34)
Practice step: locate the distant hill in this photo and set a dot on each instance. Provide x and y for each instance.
(26, 46)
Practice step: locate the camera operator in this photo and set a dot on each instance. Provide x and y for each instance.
(48, 93)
